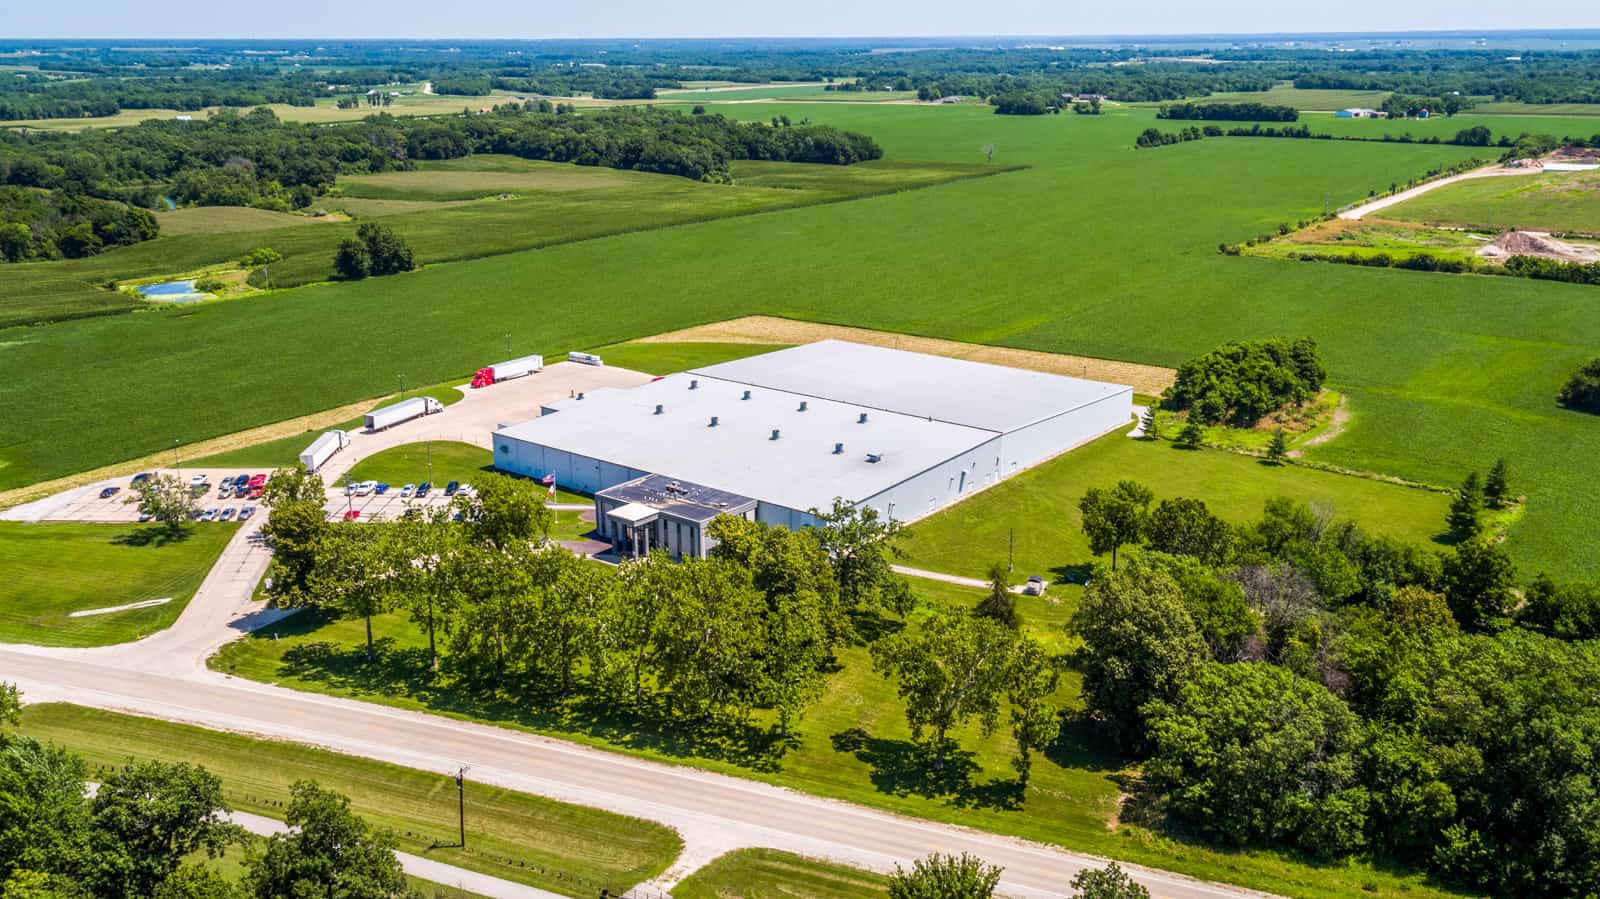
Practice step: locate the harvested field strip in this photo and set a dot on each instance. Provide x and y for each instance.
(765, 329)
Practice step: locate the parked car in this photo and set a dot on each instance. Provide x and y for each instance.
(144, 517)
(257, 480)
(423, 488)
(225, 491)
(200, 483)
(381, 489)
(255, 493)
(1035, 586)
(407, 491)
(365, 488)
(352, 515)
(140, 478)
(350, 490)
(466, 490)
(211, 515)
(451, 488)
(109, 492)
(227, 514)
(246, 512)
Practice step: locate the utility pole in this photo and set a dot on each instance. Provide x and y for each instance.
(402, 380)
(461, 802)
(1011, 550)
(177, 462)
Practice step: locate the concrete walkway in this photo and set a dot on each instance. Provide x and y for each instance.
(425, 868)
(974, 582)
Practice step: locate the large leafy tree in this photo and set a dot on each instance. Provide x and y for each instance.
(296, 524)
(165, 499)
(1185, 527)
(710, 640)
(1250, 752)
(646, 590)
(327, 852)
(1140, 645)
(949, 670)
(862, 547)
(1115, 518)
(940, 876)
(426, 561)
(1480, 585)
(147, 818)
(504, 511)
(44, 820)
(354, 573)
(1035, 722)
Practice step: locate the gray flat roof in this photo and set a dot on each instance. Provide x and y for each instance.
(799, 470)
(677, 498)
(958, 391)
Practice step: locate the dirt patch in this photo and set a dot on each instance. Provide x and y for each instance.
(1336, 425)
(1538, 244)
(1146, 379)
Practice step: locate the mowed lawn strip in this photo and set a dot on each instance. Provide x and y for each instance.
(852, 744)
(772, 874)
(563, 848)
(1040, 507)
(54, 568)
(439, 461)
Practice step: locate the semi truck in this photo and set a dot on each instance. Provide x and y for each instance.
(403, 411)
(322, 449)
(584, 358)
(505, 371)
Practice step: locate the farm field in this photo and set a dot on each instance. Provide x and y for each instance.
(562, 848)
(1419, 357)
(212, 219)
(53, 569)
(1286, 94)
(324, 112)
(852, 744)
(770, 874)
(547, 204)
(1553, 201)
(1041, 506)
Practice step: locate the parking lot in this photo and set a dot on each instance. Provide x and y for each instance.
(385, 507)
(88, 503)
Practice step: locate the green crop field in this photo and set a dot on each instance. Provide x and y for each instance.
(551, 845)
(1286, 94)
(215, 219)
(852, 744)
(571, 203)
(1040, 507)
(1555, 201)
(1096, 248)
(770, 874)
(53, 569)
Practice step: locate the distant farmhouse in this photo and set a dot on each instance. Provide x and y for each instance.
(775, 436)
(1360, 113)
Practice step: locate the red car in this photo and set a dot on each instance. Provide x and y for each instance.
(255, 493)
(258, 480)
(352, 515)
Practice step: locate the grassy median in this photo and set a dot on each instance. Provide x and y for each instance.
(770, 874)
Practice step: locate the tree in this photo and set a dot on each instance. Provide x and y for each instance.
(1150, 423)
(1139, 645)
(350, 260)
(1278, 449)
(327, 852)
(711, 639)
(646, 587)
(1480, 585)
(1185, 527)
(147, 818)
(294, 531)
(260, 256)
(1035, 723)
(1192, 435)
(998, 604)
(387, 252)
(504, 511)
(569, 597)
(1465, 508)
(427, 570)
(1249, 752)
(945, 877)
(44, 825)
(861, 546)
(10, 705)
(166, 499)
(1110, 882)
(949, 670)
(197, 881)
(1217, 605)
(1114, 518)
(352, 573)
(1497, 488)
(1582, 390)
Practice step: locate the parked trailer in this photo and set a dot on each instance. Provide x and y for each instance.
(403, 411)
(584, 358)
(505, 371)
(323, 448)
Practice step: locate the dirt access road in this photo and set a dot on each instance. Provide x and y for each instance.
(1357, 213)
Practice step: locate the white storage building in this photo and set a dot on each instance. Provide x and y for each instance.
(904, 433)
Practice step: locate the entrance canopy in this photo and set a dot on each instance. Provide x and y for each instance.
(633, 514)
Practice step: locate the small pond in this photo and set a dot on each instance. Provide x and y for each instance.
(172, 292)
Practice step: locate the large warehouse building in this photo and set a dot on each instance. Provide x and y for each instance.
(774, 436)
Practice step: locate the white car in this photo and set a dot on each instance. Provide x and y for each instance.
(365, 488)
(466, 490)
(407, 491)
(199, 482)
(211, 515)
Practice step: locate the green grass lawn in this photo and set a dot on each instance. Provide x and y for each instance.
(1443, 374)
(1557, 201)
(53, 569)
(1041, 506)
(574, 203)
(285, 451)
(439, 461)
(770, 874)
(852, 744)
(563, 848)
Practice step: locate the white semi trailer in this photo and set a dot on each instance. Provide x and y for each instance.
(323, 448)
(584, 358)
(516, 368)
(403, 411)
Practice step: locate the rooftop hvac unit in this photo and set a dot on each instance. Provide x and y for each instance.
(774, 433)
(802, 405)
(713, 421)
(660, 408)
(874, 457)
(580, 394)
(838, 448)
(862, 420)
(694, 383)
(746, 395)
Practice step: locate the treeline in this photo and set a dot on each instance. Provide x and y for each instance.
(1536, 267)
(39, 224)
(1298, 682)
(1234, 112)
(38, 96)
(1524, 145)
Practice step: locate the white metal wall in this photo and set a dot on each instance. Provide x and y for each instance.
(1026, 447)
(572, 471)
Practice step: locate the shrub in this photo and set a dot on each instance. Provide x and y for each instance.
(1582, 390)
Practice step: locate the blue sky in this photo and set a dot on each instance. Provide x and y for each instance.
(718, 18)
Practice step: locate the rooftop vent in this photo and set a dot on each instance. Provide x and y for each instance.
(694, 383)
(660, 408)
(862, 420)
(774, 433)
(838, 448)
(746, 395)
(874, 457)
(713, 421)
(802, 405)
(580, 396)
